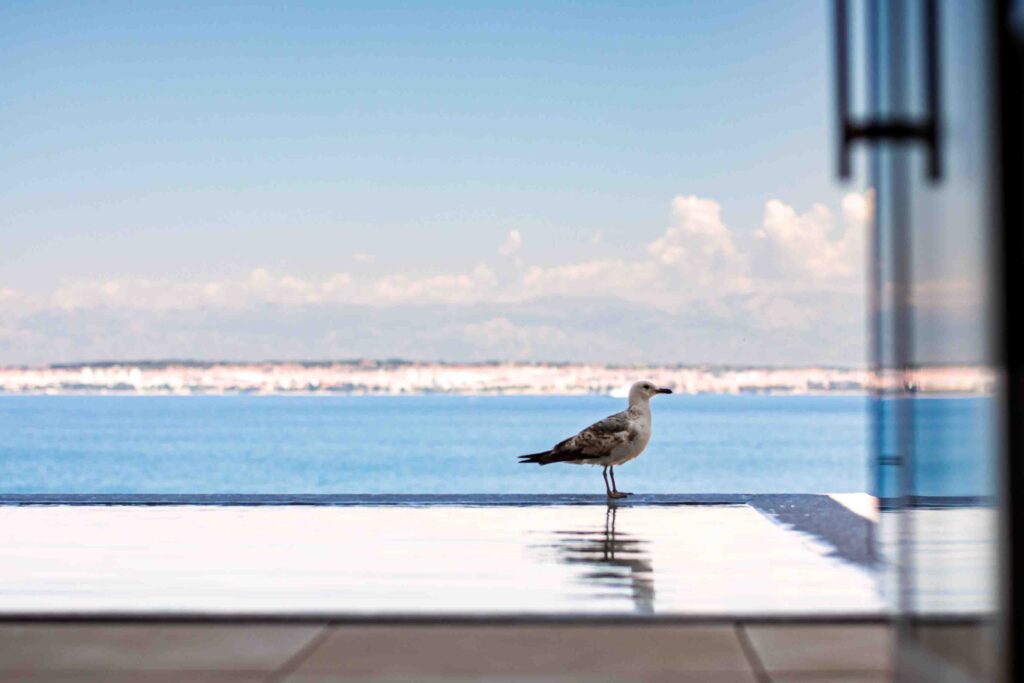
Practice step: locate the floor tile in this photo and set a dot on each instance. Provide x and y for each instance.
(98, 647)
(526, 653)
(821, 647)
(970, 648)
(133, 676)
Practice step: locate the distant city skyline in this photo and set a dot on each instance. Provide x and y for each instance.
(446, 181)
(399, 378)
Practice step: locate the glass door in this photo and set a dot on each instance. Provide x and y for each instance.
(935, 445)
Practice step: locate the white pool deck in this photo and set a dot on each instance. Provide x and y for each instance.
(708, 589)
(441, 559)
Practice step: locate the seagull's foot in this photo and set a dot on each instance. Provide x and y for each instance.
(617, 494)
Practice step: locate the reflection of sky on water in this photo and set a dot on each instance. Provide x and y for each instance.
(539, 559)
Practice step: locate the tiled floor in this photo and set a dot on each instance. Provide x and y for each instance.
(317, 653)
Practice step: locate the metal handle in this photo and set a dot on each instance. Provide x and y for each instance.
(891, 129)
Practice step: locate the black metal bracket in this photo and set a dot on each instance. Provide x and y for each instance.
(898, 130)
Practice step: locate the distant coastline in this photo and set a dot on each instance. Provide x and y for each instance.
(393, 377)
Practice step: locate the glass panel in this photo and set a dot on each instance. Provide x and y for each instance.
(935, 432)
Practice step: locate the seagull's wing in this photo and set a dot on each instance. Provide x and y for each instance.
(596, 441)
(599, 438)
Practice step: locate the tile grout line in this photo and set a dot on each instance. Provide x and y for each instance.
(751, 653)
(292, 663)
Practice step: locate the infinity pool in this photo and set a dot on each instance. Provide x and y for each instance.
(632, 559)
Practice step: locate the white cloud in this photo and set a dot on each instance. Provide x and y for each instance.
(11, 299)
(363, 257)
(744, 286)
(513, 243)
(806, 245)
(858, 207)
(444, 288)
(259, 286)
(614, 277)
(336, 285)
(697, 257)
(700, 246)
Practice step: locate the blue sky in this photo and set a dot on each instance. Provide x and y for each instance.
(170, 170)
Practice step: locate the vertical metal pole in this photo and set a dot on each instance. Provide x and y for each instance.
(842, 82)
(1007, 146)
(932, 88)
(875, 253)
(903, 325)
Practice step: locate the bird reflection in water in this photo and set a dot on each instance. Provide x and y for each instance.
(615, 563)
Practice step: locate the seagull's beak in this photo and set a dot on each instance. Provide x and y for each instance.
(663, 390)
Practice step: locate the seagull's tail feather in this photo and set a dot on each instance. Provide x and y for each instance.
(548, 457)
(542, 458)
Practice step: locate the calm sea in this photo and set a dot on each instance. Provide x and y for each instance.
(429, 444)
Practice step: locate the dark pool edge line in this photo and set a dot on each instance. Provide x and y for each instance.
(342, 500)
(446, 499)
(880, 617)
(454, 619)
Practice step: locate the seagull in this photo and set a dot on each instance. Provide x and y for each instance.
(615, 440)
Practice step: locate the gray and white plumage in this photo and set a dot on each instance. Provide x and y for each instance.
(615, 440)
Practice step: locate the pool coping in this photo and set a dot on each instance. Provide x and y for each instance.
(469, 619)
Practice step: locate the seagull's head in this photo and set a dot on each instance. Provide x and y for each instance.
(644, 390)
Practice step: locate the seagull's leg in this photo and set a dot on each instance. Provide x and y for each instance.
(615, 487)
(604, 473)
(613, 492)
